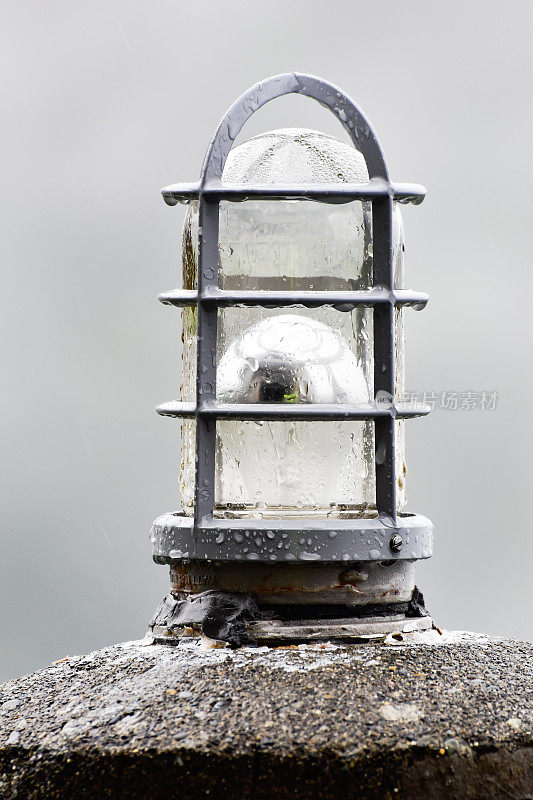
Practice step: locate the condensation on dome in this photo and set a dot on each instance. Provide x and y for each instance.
(294, 155)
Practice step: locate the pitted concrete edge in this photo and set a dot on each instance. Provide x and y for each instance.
(423, 717)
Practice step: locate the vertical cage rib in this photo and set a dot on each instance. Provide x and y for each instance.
(384, 360)
(206, 364)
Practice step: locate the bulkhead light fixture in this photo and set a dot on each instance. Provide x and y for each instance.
(292, 521)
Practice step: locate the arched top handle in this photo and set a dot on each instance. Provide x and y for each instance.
(327, 94)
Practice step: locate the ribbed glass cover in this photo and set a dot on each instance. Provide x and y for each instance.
(291, 355)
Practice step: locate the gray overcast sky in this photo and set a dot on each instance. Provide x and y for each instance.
(105, 102)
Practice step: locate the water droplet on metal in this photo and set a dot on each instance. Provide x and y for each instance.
(305, 556)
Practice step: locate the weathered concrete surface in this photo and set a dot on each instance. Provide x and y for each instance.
(437, 717)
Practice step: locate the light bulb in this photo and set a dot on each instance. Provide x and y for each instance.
(290, 359)
(291, 355)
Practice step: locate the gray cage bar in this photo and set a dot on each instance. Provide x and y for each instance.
(341, 300)
(382, 297)
(323, 193)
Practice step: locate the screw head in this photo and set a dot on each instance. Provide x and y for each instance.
(396, 543)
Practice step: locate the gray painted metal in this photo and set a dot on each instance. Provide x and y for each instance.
(341, 301)
(199, 535)
(175, 537)
(323, 193)
(297, 411)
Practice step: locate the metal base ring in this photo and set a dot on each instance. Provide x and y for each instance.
(175, 538)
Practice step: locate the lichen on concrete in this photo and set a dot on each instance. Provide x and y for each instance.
(420, 716)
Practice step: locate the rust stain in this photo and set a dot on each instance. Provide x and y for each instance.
(185, 580)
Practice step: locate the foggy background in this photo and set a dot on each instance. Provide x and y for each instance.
(104, 103)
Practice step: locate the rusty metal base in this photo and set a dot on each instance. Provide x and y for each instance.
(338, 629)
(348, 584)
(277, 631)
(240, 619)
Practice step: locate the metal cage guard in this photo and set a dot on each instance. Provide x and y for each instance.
(391, 535)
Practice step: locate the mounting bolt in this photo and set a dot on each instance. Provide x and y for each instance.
(396, 543)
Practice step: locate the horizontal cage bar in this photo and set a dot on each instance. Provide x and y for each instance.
(341, 300)
(325, 193)
(273, 412)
